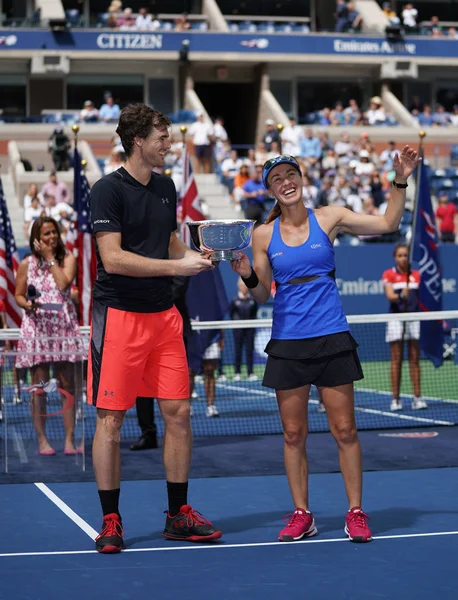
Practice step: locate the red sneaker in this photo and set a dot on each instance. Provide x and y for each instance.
(299, 524)
(356, 526)
(110, 541)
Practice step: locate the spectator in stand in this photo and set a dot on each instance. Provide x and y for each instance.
(338, 115)
(129, 24)
(387, 157)
(325, 142)
(354, 19)
(202, 134)
(309, 191)
(89, 114)
(363, 166)
(447, 219)
(242, 308)
(275, 150)
(416, 104)
(242, 177)
(182, 23)
(219, 134)
(409, 18)
(324, 117)
(425, 119)
(352, 113)
(452, 33)
(291, 138)
(260, 154)
(441, 118)
(341, 16)
(255, 196)
(376, 188)
(57, 189)
(32, 192)
(109, 111)
(230, 168)
(114, 163)
(436, 28)
(390, 14)
(143, 20)
(454, 116)
(32, 212)
(343, 149)
(376, 113)
(155, 24)
(323, 195)
(271, 134)
(125, 17)
(310, 149)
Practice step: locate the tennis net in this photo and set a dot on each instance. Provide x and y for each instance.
(245, 407)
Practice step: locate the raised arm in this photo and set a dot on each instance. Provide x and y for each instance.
(341, 219)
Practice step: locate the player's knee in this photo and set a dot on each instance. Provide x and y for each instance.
(345, 434)
(178, 416)
(295, 435)
(111, 426)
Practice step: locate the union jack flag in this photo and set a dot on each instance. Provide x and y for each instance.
(190, 201)
(9, 262)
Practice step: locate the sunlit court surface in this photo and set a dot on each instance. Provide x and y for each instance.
(47, 545)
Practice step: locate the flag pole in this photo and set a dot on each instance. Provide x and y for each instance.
(421, 136)
(75, 129)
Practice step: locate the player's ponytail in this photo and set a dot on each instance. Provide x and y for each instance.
(274, 213)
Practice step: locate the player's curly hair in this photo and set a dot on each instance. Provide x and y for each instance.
(138, 120)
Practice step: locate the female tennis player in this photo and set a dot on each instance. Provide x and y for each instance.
(311, 342)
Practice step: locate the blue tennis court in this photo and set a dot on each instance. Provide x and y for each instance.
(46, 550)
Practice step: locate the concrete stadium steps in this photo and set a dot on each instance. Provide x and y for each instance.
(216, 197)
(15, 211)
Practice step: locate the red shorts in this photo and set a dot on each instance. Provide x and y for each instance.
(135, 354)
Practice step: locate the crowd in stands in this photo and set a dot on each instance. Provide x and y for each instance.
(407, 18)
(53, 200)
(440, 117)
(124, 19)
(352, 115)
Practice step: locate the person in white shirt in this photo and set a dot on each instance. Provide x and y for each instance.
(376, 113)
(32, 212)
(201, 133)
(343, 149)
(454, 116)
(89, 114)
(114, 163)
(230, 168)
(409, 16)
(143, 20)
(387, 156)
(363, 166)
(155, 24)
(309, 192)
(31, 193)
(291, 138)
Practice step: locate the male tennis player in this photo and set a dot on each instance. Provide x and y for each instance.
(311, 342)
(137, 347)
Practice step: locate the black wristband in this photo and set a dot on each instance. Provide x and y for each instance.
(251, 281)
(400, 186)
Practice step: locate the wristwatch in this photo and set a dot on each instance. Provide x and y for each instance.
(51, 263)
(400, 186)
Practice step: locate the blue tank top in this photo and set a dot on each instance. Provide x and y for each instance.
(309, 309)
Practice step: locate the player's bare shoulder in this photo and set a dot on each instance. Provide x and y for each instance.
(328, 218)
(262, 235)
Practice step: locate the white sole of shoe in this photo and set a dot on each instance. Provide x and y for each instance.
(310, 533)
(347, 533)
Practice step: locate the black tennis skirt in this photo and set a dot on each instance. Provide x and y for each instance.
(326, 361)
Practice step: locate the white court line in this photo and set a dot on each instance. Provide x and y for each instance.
(71, 514)
(220, 546)
(429, 398)
(371, 411)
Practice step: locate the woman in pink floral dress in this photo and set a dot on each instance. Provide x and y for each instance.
(51, 270)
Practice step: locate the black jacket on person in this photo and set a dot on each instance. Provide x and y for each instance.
(243, 308)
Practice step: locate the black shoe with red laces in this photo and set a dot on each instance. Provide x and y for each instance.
(110, 541)
(189, 525)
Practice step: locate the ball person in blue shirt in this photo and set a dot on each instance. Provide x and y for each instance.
(311, 342)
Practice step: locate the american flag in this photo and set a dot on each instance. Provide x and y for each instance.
(79, 240)
(190, 201)
(9, 262)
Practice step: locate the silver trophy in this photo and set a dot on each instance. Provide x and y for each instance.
(224, 238)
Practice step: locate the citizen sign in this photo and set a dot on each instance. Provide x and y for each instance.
(129, 41)
(382, 47)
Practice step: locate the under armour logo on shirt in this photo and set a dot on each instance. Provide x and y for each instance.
(165, 200)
